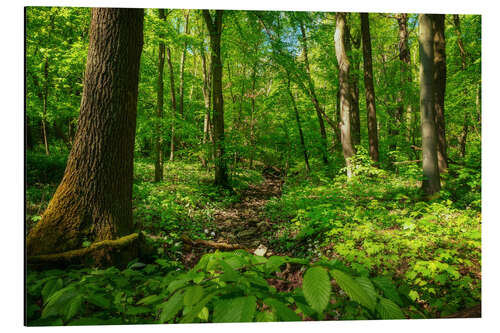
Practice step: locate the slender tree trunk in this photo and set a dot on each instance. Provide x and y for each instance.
(299, 126)
(353, 87)
(345, 100)
(94, 199)
(159, 108)
(252, 115)
(439, 89)
(44, 112)
(181, 75)
(463, 57)
(431, 183)
(369, 88)
(207, 133)
(312, 94)
(172, 102)
(215, 30)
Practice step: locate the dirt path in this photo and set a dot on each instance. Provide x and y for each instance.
(244, 222)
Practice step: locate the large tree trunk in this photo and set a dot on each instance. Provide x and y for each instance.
(371, 113)
(345, 100)
(183, 60)
(431, 183)
(94, 199)
(299, 126)
(312, 94)
(159, 108)
(439, 89)
(215, 30)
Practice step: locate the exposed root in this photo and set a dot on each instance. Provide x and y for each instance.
(220, 246)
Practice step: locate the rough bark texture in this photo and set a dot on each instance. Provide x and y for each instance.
(94, 199)
(431, 183)
(439, 88)
(371, 113)
(345, 100)
(159, 107)
(215, 31)
(312, 94)
(207, 133)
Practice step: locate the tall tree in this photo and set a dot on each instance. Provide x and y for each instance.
(345, 98)
(312, 94)
(214, 27)
(94, 198)
(431, 183)
(352, 43)
(159, 106)
(369, 88)
(182, 65)
(439, 88)
(173, 103)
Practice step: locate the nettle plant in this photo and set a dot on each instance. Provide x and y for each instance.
(222, 287)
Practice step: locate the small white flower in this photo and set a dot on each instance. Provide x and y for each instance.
(206, 231)
(212, 234)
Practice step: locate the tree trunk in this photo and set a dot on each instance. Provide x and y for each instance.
(45, 97)
(312, 94)
(94, 199)
(207, 133)
(299, 126)
(183, 60)
(215, 31)
(431, 183)
(252, 115)
(345, 100)
(371, 113)
(353, 87)
(439, 89)
(159, 108)
(172, 102)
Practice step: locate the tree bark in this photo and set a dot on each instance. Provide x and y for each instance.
(172, 103)
(371, 115)
(439, 89)
(431, 183)
(345, 100)
(312, 94)
(159, 107)
(353, 86)
(215, 31)
(45, 98)
(94, 199)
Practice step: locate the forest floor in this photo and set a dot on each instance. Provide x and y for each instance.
(243, 223)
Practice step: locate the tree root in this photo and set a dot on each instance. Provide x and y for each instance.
(220, 246)
(117, 252)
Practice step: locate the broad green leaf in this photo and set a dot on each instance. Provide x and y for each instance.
(203, 315)
(58, 302)
(192, 295)
(353, 289)
(73, 307)
(50, 288)
(99, 300)
(188, 318)
(151, 299)
(171, 307)
(265, 316)
(234, 310)
(367, 286)
(389, 310)
(136, 310)
(284, 313)
(274, 262)
(317, 288)
(388, 288)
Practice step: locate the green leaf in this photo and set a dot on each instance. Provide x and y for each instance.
(58, 302)
(317, 288)
(352, 289)
(203, 315)
(229, 273)
(241, 309)
(136, 310)
(274, 262)
(188, 318)
(389, 310)
(284, 313)
(265, 316)
(151, 299)
(74, 306)
(171, 307)
(388, 288)
(192, 295)
(50, 288)
(368, 287)
(99, 301)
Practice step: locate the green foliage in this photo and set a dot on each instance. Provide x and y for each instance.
(222, 287)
